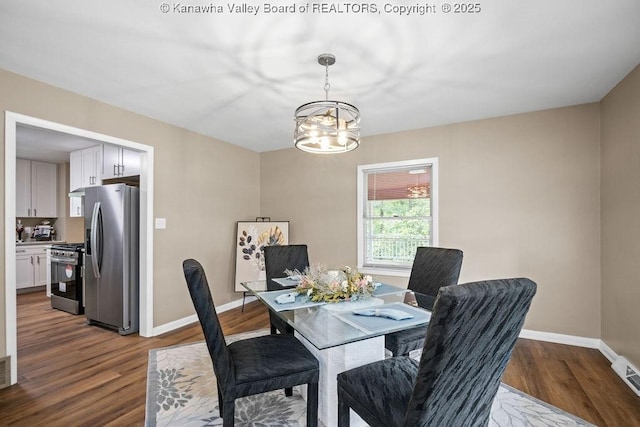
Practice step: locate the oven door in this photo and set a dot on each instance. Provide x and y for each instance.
(65, 280)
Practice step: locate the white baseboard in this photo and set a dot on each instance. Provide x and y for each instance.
(561, 339)
(608, 352)
(619, 364)
(185, 321)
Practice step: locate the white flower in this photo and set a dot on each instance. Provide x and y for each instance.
(368, 278)
(345, 285)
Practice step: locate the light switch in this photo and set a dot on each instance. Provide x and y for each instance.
(161, 223)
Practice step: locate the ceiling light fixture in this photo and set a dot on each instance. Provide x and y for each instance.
(326, 127)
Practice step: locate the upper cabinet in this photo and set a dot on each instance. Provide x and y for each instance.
(85, 167)
(36, 184)
(92, 165)
(119, 162)
(85, 171)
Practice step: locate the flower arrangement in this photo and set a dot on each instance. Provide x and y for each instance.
(347, 284)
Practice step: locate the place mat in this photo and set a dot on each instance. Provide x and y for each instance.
(354, 305)
(384, 289)
(371, 324)
(302, 301)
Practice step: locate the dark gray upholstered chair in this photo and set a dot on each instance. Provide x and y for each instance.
(277, 259)
(432, 269)
(470, 337)
(254, 365)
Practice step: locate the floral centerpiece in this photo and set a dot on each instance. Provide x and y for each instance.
(347, 284)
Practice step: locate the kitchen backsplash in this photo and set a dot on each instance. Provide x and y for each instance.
(30, 223)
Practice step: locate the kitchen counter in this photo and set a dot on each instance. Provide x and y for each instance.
(39, 242)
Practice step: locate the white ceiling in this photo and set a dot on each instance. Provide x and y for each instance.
(239, 77)
(47, 145)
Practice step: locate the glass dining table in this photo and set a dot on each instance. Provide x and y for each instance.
(339, 335)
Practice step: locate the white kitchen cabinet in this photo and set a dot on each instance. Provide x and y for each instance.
(24, 269)
(31, 266)
(36, 189)
(76, 209)
(23, 188)
(75, 170)
(85, 169)
(75, 182)
(118, 162)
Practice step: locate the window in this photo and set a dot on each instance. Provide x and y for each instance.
(397, 212)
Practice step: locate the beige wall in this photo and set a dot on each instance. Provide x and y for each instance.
(520, 195)
(202, 187)
(620, 218)
(69, 229)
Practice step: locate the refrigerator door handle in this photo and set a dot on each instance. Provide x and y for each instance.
(95, 219)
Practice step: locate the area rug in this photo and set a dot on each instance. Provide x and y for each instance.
(181, 391)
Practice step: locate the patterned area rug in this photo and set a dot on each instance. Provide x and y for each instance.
(181, 391)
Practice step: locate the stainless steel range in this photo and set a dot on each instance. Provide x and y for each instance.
(66, 277)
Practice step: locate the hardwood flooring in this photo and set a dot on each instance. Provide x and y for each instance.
(71, 374)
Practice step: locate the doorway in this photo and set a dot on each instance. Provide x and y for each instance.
(12, 120)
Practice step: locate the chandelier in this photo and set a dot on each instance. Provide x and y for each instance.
(327, 127)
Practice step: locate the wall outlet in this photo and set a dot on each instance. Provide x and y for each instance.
(161, 223)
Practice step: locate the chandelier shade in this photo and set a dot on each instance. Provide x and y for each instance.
(327, 127)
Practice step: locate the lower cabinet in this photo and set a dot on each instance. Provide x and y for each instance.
(31, 266)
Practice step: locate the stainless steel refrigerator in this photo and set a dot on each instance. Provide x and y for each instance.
(111, 218)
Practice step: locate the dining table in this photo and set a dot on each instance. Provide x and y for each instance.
(341, 335)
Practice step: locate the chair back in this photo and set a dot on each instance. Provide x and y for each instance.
(471, 334)
(203, 303)
(432, 269)
(277, 259)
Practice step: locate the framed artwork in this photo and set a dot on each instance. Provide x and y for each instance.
(251, 238)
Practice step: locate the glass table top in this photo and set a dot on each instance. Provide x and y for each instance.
(330, 325)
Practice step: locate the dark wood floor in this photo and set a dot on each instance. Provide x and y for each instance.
(71, 374)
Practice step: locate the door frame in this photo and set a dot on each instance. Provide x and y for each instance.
(12, 120)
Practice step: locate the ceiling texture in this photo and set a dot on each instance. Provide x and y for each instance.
(238, 71)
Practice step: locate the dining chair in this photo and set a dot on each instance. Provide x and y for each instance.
(277, 259)
(432, 269)
(251, 366)
(469, 341)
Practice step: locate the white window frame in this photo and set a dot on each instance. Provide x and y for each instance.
(435, 207)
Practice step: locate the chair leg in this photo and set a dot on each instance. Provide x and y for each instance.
(312, 405)
(274, 330)
(228, 416)
(220, 402)
(343, 411)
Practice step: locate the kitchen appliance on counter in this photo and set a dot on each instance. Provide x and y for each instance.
(43, 232)
(111, 218)
(66, 277)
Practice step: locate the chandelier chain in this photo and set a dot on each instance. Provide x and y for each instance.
(327, 86)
